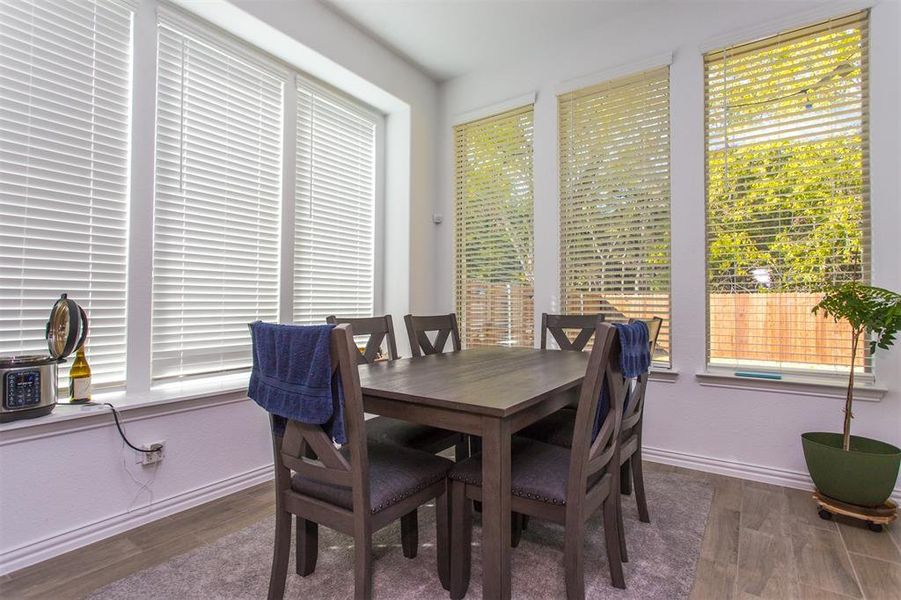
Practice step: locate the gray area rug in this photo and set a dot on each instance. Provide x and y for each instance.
(662, 557)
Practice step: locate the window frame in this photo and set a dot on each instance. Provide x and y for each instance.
(148, 24)
(510, 109)
(662, 370)
(112, 61)
(138, 387)
(807, 381)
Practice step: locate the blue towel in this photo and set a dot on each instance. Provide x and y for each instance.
(634, 361)
(292, 376)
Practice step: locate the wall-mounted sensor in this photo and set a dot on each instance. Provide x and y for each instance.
(437, 218)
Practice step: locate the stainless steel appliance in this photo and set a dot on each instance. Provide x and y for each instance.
(29, 383)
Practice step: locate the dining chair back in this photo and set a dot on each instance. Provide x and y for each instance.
(418, 328)
(377, 328)
(559, 325)
(325, 485)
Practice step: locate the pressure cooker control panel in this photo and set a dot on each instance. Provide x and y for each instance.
(22, 389)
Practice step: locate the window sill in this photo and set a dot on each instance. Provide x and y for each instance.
(792, 384)
(165, 399)
(664, 375)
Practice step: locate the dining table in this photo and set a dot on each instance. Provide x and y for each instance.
(489, 392)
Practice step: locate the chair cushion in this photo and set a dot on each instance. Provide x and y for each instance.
(385, 430)
(538, 471)
(394, 474)
(555, 429)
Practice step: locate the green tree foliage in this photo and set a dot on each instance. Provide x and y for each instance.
(494, 200)
(786, 164)
(871, 310)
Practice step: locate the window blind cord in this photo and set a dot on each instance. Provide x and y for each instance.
(118, 423)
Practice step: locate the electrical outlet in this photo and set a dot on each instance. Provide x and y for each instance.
(151, 458)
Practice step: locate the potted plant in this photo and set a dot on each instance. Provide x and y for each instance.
(852, 469)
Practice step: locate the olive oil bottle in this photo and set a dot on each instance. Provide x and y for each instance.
(80, 378)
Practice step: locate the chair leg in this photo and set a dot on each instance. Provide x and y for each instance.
(475, 444)
(409, 534)
(442, 534)
(640, 497)
(572, 556)
(307, 547)
(611, 537)
(625, 479)
(525, 522)
(363, 565)
(620, 528)
(281, 551)
(461, 540)
(515, 528)
(461, 449)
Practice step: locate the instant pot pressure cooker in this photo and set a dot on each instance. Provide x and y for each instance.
(29, 382)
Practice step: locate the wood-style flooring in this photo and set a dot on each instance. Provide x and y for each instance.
(761, 541)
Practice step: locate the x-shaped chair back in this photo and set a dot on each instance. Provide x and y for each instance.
(558, 325)
(377, 328)
(418, 328)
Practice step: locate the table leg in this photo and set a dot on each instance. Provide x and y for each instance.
(495, 508)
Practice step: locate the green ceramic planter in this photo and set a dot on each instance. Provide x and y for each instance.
(864, 476)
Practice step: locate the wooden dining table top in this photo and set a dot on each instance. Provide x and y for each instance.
(490, 381)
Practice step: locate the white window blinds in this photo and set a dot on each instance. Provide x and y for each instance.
(65, 95)
(334, 220)
(494, 229)
(615, 201)
(218, 191)
(787, 194)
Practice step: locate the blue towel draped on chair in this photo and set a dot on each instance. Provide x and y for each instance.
(634, 361)
(292, 376)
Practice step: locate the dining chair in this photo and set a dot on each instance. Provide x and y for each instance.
(395, 431)
(418, 328)
(357, 489)
(557, 429)
(563, 485)
(559, 325)
(630, 434)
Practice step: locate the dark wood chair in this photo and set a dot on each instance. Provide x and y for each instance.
(557, 429)
(394, 431)
(357, 489)
(558, 325)
(563, 485)
(419, 327)
(630, 436)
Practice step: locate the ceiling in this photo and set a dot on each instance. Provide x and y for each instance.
(448, 38)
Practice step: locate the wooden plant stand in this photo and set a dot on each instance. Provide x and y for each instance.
(875, 518)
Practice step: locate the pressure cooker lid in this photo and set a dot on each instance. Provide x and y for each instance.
(25, 360)
(67, 328)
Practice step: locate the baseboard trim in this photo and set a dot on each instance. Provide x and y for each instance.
(49, 547)
(776, 476)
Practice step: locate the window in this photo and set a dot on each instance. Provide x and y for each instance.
(787, 194)
(494, 229)
(218, 199)
(334, 220)
(615, 201)
(65, 95)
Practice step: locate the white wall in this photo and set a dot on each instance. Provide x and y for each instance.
(741, 431)
(66, 483)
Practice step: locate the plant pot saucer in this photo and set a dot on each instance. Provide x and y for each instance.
(875, 517)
